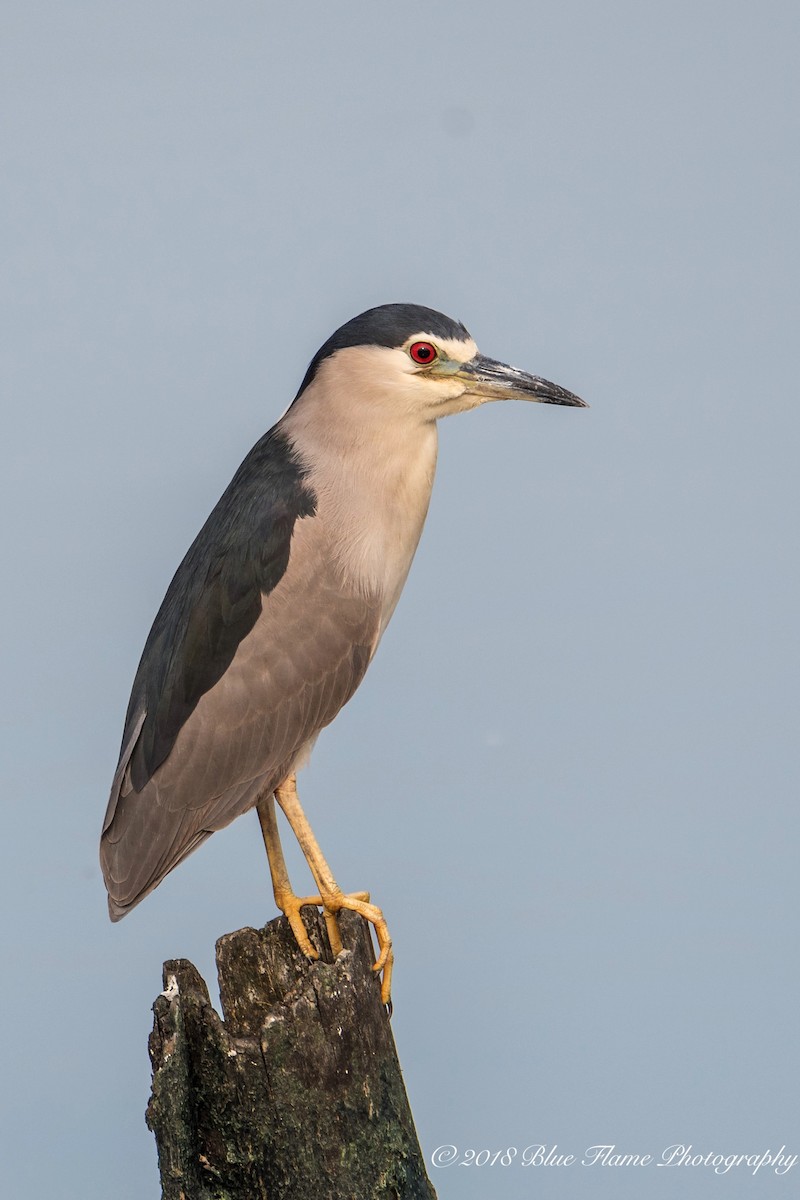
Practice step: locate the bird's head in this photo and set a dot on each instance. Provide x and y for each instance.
(417, 362)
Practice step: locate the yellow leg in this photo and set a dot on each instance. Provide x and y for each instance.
(333, 898)
(286, 900)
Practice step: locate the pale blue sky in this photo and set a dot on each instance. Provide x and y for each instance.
(570, 778)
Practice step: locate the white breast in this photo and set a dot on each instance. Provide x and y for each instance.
(372, 472)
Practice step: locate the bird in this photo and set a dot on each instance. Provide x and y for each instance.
(277, 609)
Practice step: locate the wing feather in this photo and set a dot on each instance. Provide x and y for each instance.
(288, 678)
(215, 598)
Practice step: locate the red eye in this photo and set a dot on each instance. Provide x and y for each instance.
(423, 353)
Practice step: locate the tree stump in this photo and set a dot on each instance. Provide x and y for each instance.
(297, 1094)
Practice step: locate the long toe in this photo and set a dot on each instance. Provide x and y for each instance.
(290, 906)
(371, 913)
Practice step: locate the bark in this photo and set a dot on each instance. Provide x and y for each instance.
(297, 1094)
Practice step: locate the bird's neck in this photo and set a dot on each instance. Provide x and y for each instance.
(372, 476)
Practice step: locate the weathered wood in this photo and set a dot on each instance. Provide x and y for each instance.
(297, 1094)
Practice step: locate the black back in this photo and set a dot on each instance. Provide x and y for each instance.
(214, 599)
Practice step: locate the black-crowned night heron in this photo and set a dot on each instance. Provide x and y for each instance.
(275, 613)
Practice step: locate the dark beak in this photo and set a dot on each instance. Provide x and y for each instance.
(496, 381)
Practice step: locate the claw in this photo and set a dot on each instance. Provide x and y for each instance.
(386, 982)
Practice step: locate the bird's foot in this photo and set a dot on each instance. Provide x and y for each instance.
(331, 903)
(358, 902)
(290, 906)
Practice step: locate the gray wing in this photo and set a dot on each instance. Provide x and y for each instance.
(289, 677)
(215, 599)
(255, 648)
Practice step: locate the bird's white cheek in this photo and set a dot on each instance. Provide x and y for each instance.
(460, 400)
(441, 396)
